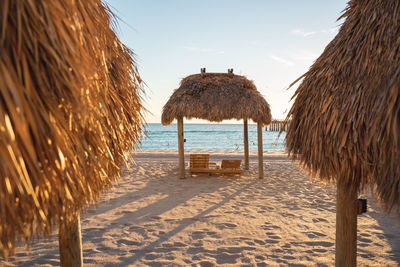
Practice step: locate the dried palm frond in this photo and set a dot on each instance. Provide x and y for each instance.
(345, 120)
(70, 105)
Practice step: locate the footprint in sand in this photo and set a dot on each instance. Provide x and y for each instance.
(128, 242)
(152, 256)
(288, 215)
(196, 258)
(196, 250)
(288, 257)
(207, 264)
(259, 242)
(260, 258)
(179, 244)
(226, 225)
(198, 243)
(198, 235)
(364, 234)
(319, 220)
(135, 227)
(313, 235)
(364, 240)
(269, 241)
(318, 244)
(250, 243)
(269, 226)
(319, 250)
(226, 258)
(272, 235)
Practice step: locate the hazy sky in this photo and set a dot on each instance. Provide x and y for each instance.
(271, 42)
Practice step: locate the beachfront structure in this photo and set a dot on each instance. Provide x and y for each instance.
(277, 126)
(216, 97)
(345, 120)
(70, 106)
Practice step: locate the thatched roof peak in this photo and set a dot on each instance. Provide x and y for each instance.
(216, 97)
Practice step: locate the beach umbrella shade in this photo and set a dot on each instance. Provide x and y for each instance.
(345, 120)
(70, 106)
(216, 97)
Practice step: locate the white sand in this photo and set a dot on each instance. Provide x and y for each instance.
(153, 218)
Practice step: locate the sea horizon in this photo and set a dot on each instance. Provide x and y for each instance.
(217, 136)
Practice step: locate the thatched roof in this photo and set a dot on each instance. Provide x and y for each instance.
(216, 97)
(69, 107)
(346, 117)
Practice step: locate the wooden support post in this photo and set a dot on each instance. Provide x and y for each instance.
(181, 149)
(246, 144)
(260, 151)
(70, 243)
(346, 226)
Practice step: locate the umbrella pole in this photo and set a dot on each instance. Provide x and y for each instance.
(181, 149)
(260, 151)
(346, 225)
(246, 144)
(70, 243)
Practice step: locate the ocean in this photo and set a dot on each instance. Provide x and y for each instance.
(209, 136)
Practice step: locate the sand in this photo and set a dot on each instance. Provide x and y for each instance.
(153, 218)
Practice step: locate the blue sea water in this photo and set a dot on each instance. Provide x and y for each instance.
(209, 136)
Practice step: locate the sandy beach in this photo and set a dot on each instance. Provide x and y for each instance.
(153, 218)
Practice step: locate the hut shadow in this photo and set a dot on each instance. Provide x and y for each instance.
(162, 193)
(386, 229)
(170, 197)
(46, 252)
(113, 207)
(184, 223)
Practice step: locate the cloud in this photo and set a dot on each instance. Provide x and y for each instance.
(303, 33)
(282, 60)
(202, 50)
(334, 30)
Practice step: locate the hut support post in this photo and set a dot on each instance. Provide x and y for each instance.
(181, 149)
(260, 151)
(70, 243)
(246, 144)
(346, 226)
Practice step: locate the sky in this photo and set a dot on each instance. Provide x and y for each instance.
(271, 42)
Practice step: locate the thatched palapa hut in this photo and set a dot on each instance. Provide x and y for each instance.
(70, 106)
(216, 97)
(346, 117)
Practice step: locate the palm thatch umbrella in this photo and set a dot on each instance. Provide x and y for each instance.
(216, 97)
(70, 106)
(346, 117)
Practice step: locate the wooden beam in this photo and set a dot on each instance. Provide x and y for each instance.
(181, 149)
(70, 243)
(260, 151)
(246, 144)
(346, 226)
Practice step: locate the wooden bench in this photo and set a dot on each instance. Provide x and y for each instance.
(200, 163)
(231, 166)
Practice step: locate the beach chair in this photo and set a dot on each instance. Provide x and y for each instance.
(231, 166)
(199, 163)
